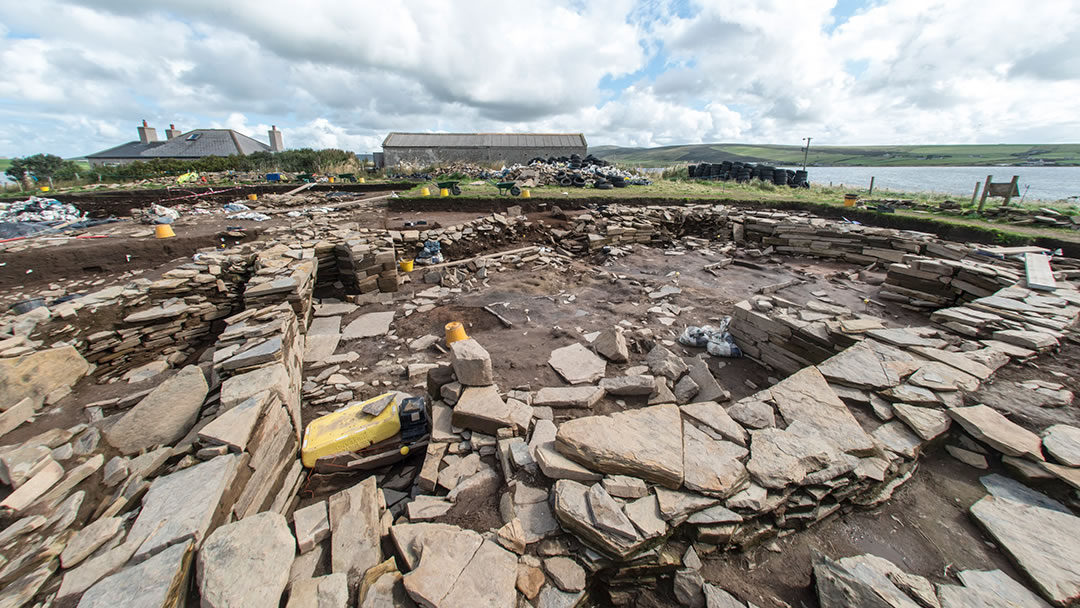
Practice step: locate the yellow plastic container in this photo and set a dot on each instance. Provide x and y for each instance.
(331, 180)
(405, 265)
(455, 332)
(45, 188)
(349, 430)
(525, 194)
(164, 231)
(850, 200)
(425, 191)
(253, 197)
(360, 180)
(444, 192)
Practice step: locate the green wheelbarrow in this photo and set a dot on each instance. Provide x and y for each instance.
(510, 187)
(453, 187)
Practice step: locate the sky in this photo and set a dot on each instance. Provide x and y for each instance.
(78, 76)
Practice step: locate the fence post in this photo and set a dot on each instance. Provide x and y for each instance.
(871, 184)
(975, 193)
(1012, 188)
(986, 190)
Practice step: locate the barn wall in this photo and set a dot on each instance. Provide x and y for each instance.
(438, 156)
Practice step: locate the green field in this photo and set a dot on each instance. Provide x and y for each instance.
(849, 156)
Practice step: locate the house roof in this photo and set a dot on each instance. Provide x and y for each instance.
(196, 143)
(484, 140)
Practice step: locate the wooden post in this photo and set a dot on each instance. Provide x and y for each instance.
(975, 194)
(1012, 188)
(871, 184)
(986, 191)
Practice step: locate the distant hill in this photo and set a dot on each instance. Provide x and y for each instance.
(848, 156)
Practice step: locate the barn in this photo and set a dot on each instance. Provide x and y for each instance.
(484, 148)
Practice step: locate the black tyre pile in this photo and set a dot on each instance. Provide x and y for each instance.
(744, 172)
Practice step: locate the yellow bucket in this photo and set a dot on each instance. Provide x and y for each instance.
(164, 231)
(253, 197)
(45, 188)
(455, 332)
(405, 265)
(525, 194)
(850, 199)
(425, 192)
(331, 180)
(361, 180)
(444, 192)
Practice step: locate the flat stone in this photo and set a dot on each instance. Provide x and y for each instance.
(512, 536)
(17, 415)
(1062, 442)
(472, 363)
(246, 563)
(629, 386)
(157, 582)
(368, 325)
(839, 587)
(311, 525)
(916, 395)
(529, 580)
(355, 530)
(566, 573)
(644, 513)
(712, 467)
(183, 503)
(806, 397)
(622, 486)
(427, 508)
(1000, 586)
(570, 396)
(942, 377)
(960, 361)
(162, 417)
(553, 464)
(480, 408)
(331, 309)
(752, 498)
(20, 591)
(890, 582)
(1033, 340)
(708, 388)
(19, 463)
(36, 375)
(1040, 541)
(782, 457)
(927, 423)
(752, 413)
(675, 505)
(458, 568)
(234, 427)
(29, 492)
(716, 514)
(551, 597)
(972, 459)
(898, 438)
(716, 421)
(577, 364)
(688, 588)
(859, 366)
(644, 443)
(264, 352)
(611, 344)
(663, 362)
(685, 390)
(607, 514)
(318, 347)
(89, 539)
(997, 431)
(146, 372)
(716, 597)
(1010, 489)
(573, 511)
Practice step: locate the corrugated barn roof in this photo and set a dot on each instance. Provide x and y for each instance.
(484, 140)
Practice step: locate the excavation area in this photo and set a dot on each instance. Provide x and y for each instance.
(339, 397)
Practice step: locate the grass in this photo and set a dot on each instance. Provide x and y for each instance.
(849, 156)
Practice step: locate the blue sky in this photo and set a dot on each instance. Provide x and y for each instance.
(81, 74)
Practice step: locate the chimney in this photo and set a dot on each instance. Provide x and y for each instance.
(275, 139)
(172, 132)
(147, 134)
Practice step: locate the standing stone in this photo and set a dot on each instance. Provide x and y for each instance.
(577, 364)
(355, 530)
(990, 427)
(246, 563)
(164, 416)
(312, 524)
(611, 344)
(645, 443)
(184, 503)
(1041, 542)
(472, 363)
(157, 582)
(712, 467)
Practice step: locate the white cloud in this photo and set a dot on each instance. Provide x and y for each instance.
(80, 74)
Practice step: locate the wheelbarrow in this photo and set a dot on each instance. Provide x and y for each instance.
(453, 187)
(510, 187)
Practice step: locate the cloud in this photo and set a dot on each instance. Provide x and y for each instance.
(79, 75)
